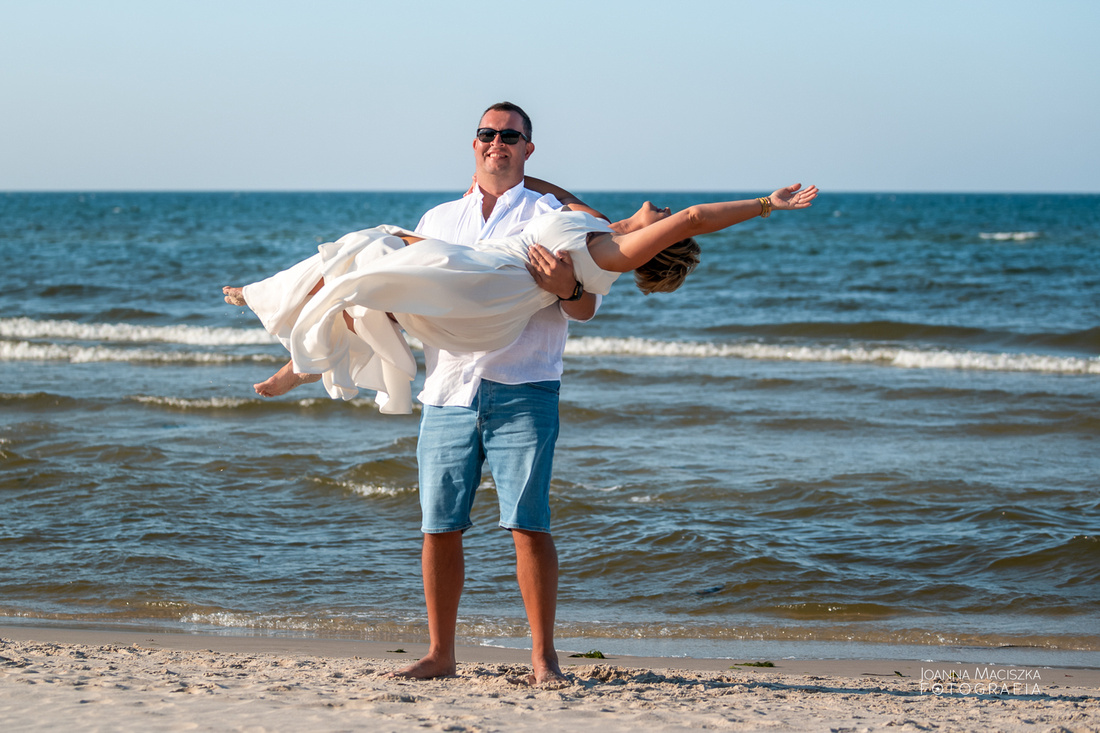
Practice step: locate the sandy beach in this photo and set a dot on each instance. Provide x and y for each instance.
(64, 679)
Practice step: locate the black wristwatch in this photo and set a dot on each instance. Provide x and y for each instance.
(578, 291)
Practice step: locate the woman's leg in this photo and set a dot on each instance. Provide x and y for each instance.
(283, 381)
(233, 296)
(286, 378)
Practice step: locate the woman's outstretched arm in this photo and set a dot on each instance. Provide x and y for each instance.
(625, 252)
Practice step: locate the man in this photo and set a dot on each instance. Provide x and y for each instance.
(500, 406)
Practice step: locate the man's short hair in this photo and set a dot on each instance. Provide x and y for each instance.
(509, 107)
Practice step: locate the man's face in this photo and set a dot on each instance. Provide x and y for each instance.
(496, 159)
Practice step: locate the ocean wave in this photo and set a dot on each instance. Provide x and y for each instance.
(882, 356)
(373, 490)
(674, 638)
(1009, 236)
(333, 625)
(27, 328)
(112, 333)
(25, 351)
(264, 405)
(216, 403)
(1075, 343)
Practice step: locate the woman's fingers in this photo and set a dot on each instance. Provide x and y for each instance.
(794, 198)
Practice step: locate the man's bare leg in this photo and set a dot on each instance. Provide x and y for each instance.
(444, 570)
(283, 381)
(537, 573)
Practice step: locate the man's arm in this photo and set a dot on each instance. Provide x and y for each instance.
(583, 309)
(567, 199)
(575, 204)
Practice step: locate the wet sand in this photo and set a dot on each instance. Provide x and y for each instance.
(66, 679)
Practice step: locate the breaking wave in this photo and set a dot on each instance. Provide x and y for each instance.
(27, 328)
(23, 331)
(1009, 236)
(26, 351)
(905, 358)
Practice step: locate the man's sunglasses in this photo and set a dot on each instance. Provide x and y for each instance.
(508, 137)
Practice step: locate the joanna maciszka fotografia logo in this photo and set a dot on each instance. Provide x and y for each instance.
(980, 681)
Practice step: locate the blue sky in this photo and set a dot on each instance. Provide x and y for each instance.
(688, 95)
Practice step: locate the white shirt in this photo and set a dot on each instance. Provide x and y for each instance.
(453, 378)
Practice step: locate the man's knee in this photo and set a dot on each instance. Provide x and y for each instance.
(532, 542)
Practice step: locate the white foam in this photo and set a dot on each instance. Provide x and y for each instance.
(197, 404)
(230, 620)
(25, 351)
(372, 490)
(26, 328)
(882, 356)
(30, 329)
(1008, 236)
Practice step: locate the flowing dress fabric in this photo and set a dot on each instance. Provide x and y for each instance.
(379, 359)
(450, 296)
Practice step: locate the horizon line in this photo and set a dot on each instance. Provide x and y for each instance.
(948, 192)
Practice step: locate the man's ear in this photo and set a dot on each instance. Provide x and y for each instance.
(530, 149)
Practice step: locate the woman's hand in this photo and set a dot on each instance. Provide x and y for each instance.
(645, 216)
(792, 197)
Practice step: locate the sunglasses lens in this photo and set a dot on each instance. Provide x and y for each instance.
(508, 137)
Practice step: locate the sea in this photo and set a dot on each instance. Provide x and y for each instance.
(870, 428)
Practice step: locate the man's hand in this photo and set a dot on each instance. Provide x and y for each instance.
(554, 274)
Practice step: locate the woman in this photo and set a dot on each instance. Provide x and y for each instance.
(339, 312)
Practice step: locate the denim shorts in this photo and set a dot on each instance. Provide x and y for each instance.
(511, 426)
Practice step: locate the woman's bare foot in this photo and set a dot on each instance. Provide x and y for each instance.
(427, 668)
(234, 296)
(283, 381)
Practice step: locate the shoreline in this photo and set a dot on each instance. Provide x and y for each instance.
(670, 653)
(85, 679)
(396, 651)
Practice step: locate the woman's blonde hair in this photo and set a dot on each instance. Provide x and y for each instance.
(669, 268)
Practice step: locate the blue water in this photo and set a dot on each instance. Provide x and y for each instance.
(871, 422)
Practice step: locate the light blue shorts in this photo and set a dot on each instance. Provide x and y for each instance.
(512, 426)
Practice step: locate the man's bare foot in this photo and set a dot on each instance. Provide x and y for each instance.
(427, 668)
(547, 673)
(283, 381)
(233, 296)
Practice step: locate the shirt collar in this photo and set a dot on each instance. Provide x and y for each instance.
(506, 199)
(504, 204)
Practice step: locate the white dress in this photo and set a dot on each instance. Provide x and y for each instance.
(454, 297)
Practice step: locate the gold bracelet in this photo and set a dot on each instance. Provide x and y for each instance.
(765, 207)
